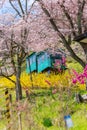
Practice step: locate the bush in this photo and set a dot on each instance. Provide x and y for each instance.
(47, 122)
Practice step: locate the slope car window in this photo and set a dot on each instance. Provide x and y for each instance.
(42, 58)
(34, 58)
(39, 60)
(31, 61)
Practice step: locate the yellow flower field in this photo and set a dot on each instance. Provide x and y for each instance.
(42, 80)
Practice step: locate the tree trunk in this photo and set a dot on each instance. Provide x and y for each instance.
(84, 46)
(31, 79)
(18, 84)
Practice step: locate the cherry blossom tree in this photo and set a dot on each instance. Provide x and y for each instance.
(48, 23)
(14, 38)
(41, 34)
(54, 22)
(68, 20)
(13, 56)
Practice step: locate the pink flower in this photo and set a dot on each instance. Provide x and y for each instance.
(54, 91)
(59, 70)
(47, 82)
(63, 60)
(80, 77)
(75, 73)
(74, 81)
(82, 81)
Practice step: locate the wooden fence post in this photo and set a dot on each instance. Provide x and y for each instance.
(19, 121)
(7, 108)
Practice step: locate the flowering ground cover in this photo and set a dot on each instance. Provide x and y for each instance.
(43, 80)
(51, 97)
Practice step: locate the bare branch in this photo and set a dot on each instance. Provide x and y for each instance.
(20, 5)
(8, 78)
(10, 1)
(26, 5)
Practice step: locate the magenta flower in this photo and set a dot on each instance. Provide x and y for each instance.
(82, 81)
(80, 77)
(74, 81)
(75, 73)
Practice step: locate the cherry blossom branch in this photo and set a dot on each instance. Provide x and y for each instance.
(81, 6)
(68, 17)
(10, 1)
(20, 5)
(55, 27)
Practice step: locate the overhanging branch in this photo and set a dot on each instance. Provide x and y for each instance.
(60, 34)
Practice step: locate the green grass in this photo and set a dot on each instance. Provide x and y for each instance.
(47, 108)
(75, 65)
(46, 112)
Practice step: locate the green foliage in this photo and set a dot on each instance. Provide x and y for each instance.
(49, 111)
(46, 112)
(47, 122)
(75, 65)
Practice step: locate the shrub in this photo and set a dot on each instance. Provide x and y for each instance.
(47, 122)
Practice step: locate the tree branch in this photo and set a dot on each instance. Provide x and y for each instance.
(68, 17)
(20, 5)
(8, 78)
(10, 1)
(71, 50)
(26, 4)
(61, 35)
(79, 15)
(11, 55)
